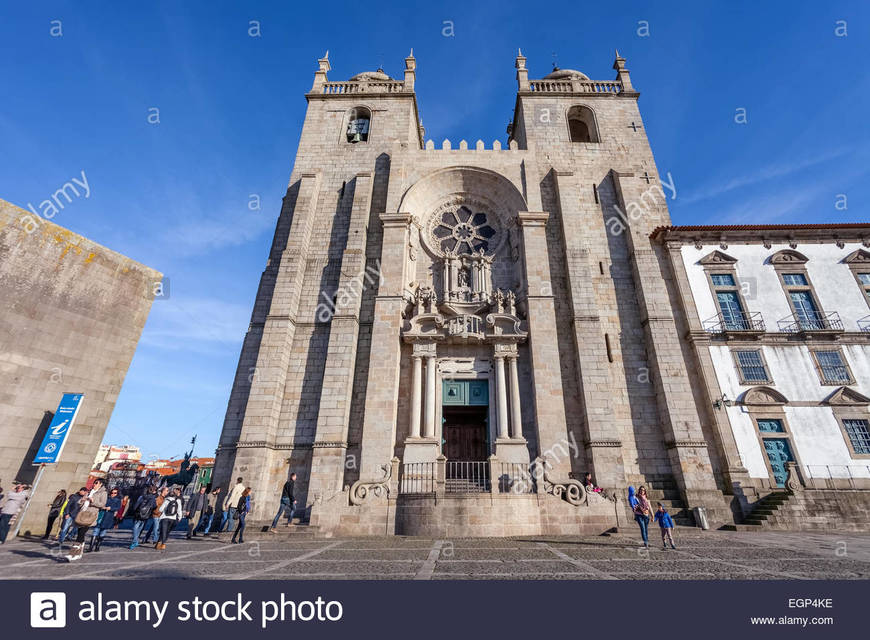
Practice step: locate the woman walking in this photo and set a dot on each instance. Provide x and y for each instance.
(54, 511)
(242, 509)
(89, 511)
(106, 520)
(170, 516)
(642, 513)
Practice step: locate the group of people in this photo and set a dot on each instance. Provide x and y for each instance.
(156, 514)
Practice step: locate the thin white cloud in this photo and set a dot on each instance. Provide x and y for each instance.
(181, 323)
(764, 174)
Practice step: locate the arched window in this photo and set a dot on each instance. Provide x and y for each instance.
(581, 124)
(358, 125)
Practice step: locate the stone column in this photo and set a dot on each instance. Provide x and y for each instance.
(501, 393)
(422, 448)
(328, 455)
(382, 395)
(257, 461)
(430, 397)
(549, 404)
(678, 414)
(416, 370)
(516, 416)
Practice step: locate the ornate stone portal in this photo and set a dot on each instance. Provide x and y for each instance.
(465, 309)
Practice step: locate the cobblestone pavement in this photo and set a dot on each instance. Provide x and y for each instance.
(700, 555)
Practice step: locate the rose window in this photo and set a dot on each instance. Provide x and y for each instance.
(463, 232)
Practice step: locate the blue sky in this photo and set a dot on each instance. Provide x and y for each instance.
(175, 195)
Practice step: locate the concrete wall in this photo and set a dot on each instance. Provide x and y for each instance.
(71, 313)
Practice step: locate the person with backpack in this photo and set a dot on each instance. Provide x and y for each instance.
(231, 502)
(142, 510)
(170, 515)
(243, 507)
(68, 515)
(54, 510)
(89, 510)
(153, 525)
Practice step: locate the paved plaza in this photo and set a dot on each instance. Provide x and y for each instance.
(700, 555)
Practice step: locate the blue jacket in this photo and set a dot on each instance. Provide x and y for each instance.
(664, 520)
(107, 518)
(632, 501)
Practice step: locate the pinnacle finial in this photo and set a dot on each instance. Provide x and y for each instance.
(326, 55)
(519, 52)
(411, 55)
(617, 52)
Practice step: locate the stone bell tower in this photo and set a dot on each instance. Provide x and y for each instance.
(294, 397)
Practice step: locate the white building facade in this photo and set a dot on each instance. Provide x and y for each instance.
(778, 320)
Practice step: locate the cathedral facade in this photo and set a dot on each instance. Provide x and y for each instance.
(447, 339)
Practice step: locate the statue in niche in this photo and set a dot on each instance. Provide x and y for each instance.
(463, 277)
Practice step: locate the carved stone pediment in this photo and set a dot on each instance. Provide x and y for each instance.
(788, 256)
(763, 396)
(717, 258)
(859, 256)
(844, 396)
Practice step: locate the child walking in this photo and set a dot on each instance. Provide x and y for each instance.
(667, 526)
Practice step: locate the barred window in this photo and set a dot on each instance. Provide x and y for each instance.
(752, 366)
(859, 433)
(832, 367)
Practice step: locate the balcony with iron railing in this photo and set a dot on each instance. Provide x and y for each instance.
(735, 322)
(864, 324)
(812, 322)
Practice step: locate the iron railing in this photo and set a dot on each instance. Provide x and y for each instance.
(467, 477)
(737, 321)
(514, 477)
(811, 321)
(864, 324)
(417, 478)
(830, 473)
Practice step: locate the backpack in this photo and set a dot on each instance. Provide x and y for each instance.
(144, 508)
(170, 508)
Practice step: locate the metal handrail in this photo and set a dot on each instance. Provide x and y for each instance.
(738, 321)
(516, 478)
(466, 476)
(417, 478)
(811, 321)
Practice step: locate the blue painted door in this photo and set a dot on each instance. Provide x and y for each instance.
(471, 393)
(778, 452)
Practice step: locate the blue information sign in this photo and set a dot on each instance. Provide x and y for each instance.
(55, 437)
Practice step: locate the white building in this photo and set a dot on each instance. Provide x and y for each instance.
(778, 318)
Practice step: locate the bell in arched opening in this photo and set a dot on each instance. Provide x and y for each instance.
(358, 125)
